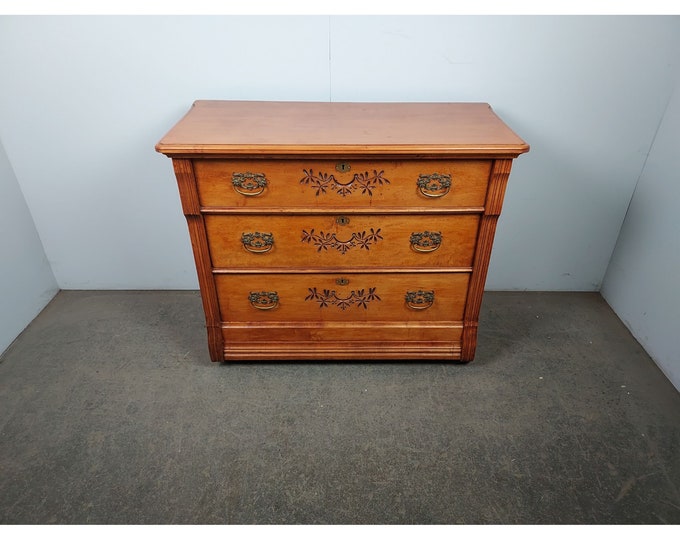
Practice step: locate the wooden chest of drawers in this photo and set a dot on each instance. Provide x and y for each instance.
(341, 230)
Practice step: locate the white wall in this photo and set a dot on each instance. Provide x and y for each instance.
(26, 281)
(84, 100)
(586, 93)
(642, 283)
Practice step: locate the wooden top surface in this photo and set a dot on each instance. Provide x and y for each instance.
(277, 128)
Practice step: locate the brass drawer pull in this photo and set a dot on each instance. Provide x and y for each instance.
(434, 185)
(257, 242)
(249, 184)
(264, 300)
(419, 299)
(426, 241)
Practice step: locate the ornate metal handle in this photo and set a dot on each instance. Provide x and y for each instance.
(264, 300)
(249, 184)
(257, 242)
(419, 299)
(426, 241)
(434, 185)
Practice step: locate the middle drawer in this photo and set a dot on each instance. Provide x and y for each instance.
(324, 240)
(410, 297)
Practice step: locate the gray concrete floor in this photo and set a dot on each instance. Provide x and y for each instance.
(111, 412)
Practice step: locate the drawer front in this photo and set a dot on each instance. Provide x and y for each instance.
(324, 183)
(338, 240)
(340, 340)
(342, 297)
(365, 332)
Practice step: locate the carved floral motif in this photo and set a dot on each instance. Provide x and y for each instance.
(324, 240)
(365, 182)
(327, 298)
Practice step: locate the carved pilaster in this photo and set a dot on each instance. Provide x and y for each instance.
(497, 183)
(487, 230)
(469, 341)
(186, 183)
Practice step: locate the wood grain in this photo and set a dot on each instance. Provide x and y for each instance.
(497, 184)
(286, 183)
(342, 350)
(285, 128)
(318, 240)
(293, 291)
(354, 331)
(186, 183)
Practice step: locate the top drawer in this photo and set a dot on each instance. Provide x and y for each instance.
(253, 183)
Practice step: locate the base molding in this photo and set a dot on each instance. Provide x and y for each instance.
(343, 350)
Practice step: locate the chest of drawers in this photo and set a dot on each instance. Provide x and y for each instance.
(341, 231)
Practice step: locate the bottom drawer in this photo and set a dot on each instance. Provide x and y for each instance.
(353, 316)
(336, 331)
(393, 297)
(342, 341)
